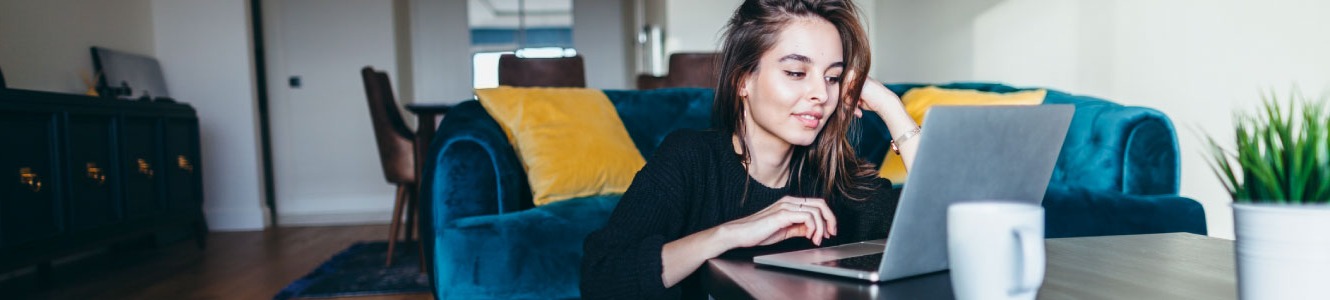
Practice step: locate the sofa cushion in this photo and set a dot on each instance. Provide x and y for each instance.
(570, 140)
(531, 254)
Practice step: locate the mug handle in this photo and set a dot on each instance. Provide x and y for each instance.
(1032, 260)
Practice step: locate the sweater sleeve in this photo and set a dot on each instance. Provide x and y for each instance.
(622, 260)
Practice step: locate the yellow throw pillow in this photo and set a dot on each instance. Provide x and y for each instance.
(918, 100)
(570, 140)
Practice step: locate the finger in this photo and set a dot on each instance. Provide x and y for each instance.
(793, 231)
(821, 224)
(790, 226)
(806, 206)
(805, 218)
(818, 223)
(827, 216)
(858, 112)
(821, 220)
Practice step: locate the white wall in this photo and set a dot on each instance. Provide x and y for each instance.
(44, 44)
(1198, 61)
(868, 17)
(925, 41)
(441, 51)
(207, 56)
(696, 25)
(601, 34)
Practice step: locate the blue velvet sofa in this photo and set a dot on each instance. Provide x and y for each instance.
(1117, 174)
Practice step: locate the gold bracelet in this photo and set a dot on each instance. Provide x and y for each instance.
(902, 138)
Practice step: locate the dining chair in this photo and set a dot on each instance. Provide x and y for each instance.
(396, 153)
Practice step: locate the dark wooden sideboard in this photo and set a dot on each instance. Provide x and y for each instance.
(80, 172)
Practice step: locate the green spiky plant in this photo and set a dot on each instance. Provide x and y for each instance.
(1280, 157)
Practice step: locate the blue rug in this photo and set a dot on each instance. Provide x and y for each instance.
(359, 271)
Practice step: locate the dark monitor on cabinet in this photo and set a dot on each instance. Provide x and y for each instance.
(127, 75)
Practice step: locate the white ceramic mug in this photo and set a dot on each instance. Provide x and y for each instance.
(996, 249)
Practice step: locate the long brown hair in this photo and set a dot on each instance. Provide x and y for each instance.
(752, 31)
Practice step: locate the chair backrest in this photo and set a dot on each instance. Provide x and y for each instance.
(694, 70)
(686, 70)
(394, 138)
(546, 72)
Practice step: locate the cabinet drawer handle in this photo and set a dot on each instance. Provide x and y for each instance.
(95, 173)
(29, 178)
(183, 164)
(145, 168)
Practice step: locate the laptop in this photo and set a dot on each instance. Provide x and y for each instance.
(966, 153)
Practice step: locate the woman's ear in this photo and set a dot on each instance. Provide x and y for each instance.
(744, 85)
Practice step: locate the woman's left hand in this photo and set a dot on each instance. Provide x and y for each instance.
(876, 97)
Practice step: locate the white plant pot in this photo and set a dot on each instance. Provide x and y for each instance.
(1283, 251)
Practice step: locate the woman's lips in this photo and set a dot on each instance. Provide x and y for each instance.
(810, 120)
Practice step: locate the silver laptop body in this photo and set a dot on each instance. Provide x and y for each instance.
(966, 153)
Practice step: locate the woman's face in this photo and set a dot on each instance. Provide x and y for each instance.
(796, 86)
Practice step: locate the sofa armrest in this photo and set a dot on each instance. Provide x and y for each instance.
(1072, 212)
(472, 169)
(1114, 148)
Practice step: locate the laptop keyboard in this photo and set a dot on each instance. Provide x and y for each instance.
(863, 262)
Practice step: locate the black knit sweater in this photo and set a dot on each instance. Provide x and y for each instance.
(695, 181)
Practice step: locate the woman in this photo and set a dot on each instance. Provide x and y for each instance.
(776, 172)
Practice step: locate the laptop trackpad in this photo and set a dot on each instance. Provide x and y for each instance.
(866, 263)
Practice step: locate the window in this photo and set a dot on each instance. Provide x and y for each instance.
(528, 28)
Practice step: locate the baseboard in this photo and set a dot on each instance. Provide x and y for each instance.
(234, 220)
(335, 218)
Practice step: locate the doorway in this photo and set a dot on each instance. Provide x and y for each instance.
(325, 162)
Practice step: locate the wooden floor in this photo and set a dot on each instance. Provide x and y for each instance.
(234, 265)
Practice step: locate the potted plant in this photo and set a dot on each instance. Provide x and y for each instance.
(1279, 178)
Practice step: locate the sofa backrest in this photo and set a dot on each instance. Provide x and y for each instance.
(1129, 149)
(1110, 147)
(650, 115)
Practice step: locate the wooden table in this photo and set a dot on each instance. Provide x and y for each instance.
(1152, 266)
(428, 116)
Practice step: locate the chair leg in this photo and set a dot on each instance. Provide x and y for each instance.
(411, 209)
(420, 241)
(397, 222)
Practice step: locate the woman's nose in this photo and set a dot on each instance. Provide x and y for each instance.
(817, 91)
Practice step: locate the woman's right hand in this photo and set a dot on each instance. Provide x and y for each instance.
(789, 217)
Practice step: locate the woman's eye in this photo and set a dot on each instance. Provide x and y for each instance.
(833, 79)
(795, 74)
